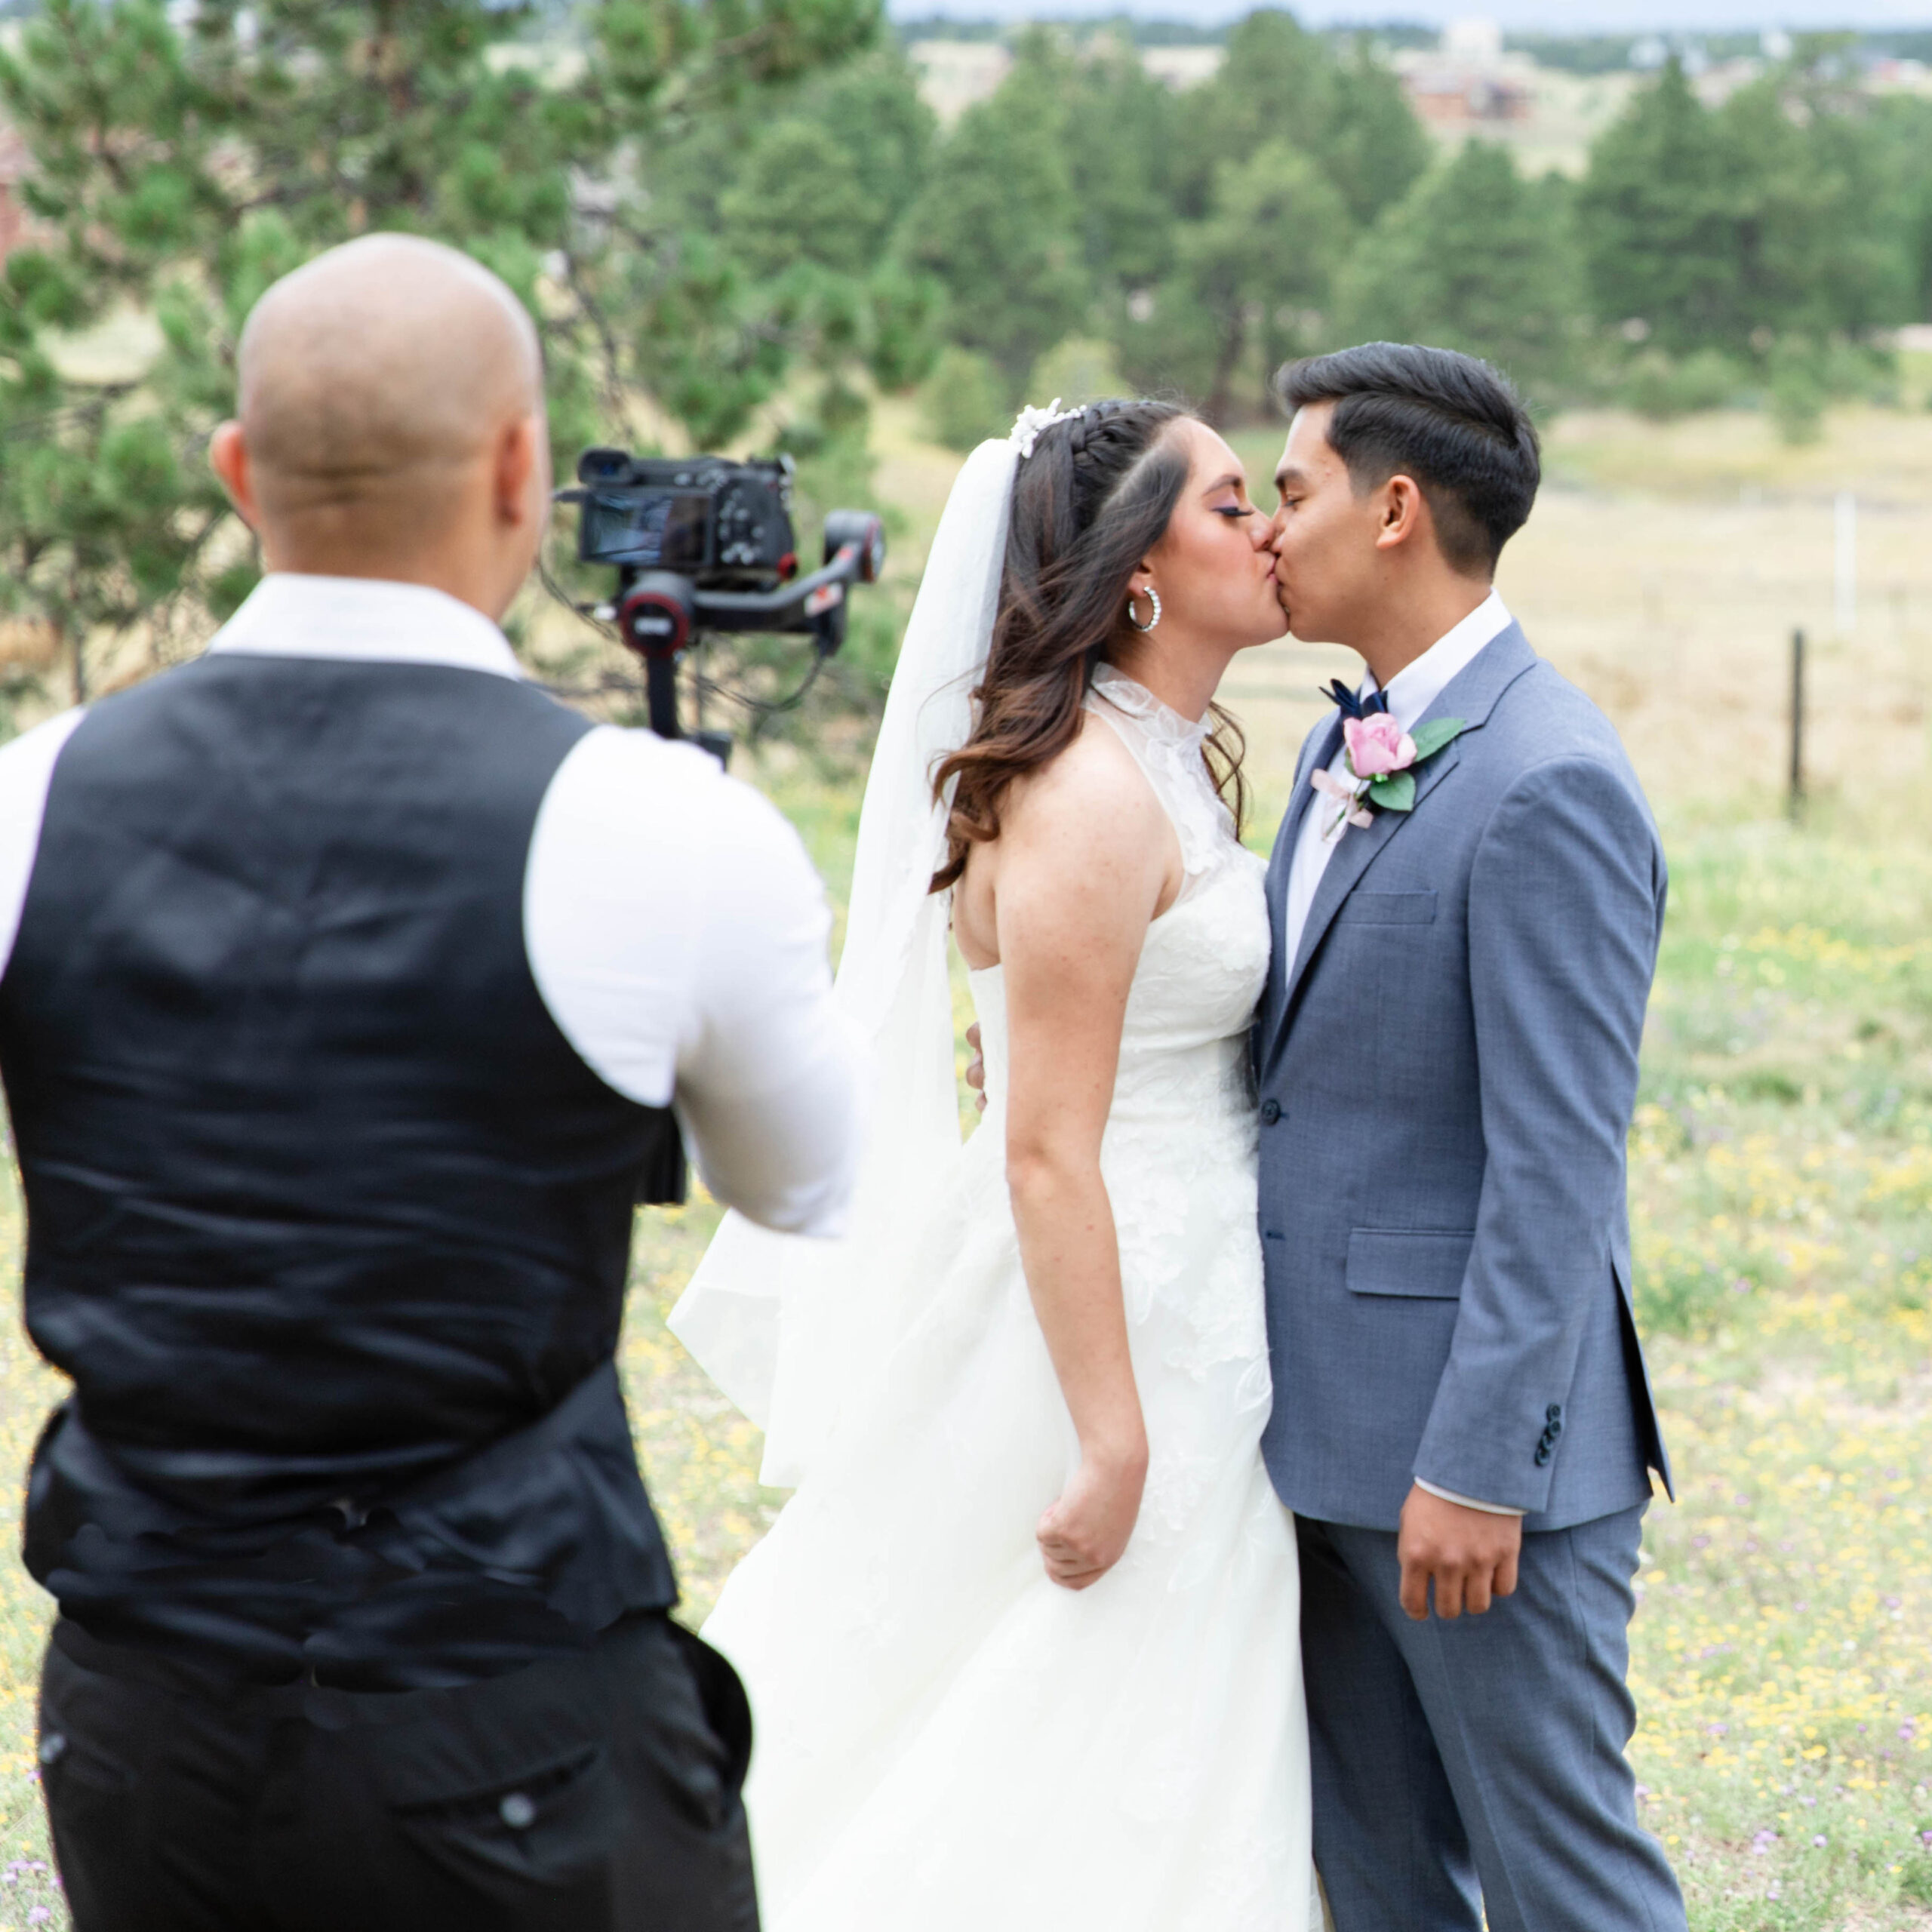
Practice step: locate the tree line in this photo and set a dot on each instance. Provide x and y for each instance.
(705, 206)
(1754, 251)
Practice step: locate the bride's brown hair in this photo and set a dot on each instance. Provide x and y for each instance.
(1095, 497)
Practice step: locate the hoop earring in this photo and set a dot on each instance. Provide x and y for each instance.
(1154, 598)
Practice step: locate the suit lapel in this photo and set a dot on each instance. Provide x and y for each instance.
(1317, 751)
(1471, 695)
(1359, 848)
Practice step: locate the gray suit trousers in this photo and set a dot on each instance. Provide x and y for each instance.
(1478, 1764)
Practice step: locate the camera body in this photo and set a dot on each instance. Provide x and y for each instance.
(705, 543)
(723, 525)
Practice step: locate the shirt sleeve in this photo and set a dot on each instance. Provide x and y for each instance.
(767, 1073)
(1469, 1501)
(26, 772)
(677, 933)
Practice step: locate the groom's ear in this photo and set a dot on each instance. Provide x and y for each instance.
(1401, 512)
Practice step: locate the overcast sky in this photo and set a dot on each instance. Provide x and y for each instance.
(1545, 16)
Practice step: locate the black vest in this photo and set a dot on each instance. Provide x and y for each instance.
(327, 1220)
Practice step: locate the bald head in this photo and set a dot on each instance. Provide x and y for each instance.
(381, 371)
(387, 388)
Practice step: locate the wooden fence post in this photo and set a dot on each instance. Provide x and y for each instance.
(1797, 798)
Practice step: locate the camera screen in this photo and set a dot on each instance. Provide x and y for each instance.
(660, 529)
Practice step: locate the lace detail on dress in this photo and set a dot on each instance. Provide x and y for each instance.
(1168, 749)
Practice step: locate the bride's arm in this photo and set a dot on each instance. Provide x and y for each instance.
(1084, 858)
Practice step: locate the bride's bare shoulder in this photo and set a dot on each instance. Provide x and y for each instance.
(1084, 850)
(1092, 792)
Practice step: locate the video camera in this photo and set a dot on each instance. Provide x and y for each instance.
(704, 543)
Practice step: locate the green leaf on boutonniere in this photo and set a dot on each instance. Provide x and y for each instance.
(1395, 792)
(1431, 737)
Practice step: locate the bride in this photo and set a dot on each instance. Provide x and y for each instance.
(1023, 1648)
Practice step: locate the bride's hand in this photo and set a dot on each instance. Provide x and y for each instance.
(1085, 1533)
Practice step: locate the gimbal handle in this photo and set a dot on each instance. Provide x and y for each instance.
(659, 611)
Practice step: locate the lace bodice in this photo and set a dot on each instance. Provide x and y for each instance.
(1181, 1133)
(1205, 960)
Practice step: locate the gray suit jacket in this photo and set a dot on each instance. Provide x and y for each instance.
(1447, 1070)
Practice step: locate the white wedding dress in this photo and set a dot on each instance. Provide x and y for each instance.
(946, 1741)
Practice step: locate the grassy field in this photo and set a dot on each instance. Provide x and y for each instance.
(1782, 1157)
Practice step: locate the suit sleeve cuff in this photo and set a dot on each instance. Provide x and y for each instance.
(1469, 1501)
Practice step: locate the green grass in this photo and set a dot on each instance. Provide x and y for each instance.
(1782, 1195)
(1782, 1192)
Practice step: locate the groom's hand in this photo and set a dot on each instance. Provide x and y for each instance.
(976, 1068)
(1470, 1555)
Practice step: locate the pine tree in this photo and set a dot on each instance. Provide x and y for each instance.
(998, 223)
(1786, 211)
(182, 163)
(1475, 258)
(1119, 123)
(1253, 273)
(1372, 147)
(1342, 108)
(1655, 212)
(1276, 83)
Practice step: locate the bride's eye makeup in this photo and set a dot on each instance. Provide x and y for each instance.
(1234, 504)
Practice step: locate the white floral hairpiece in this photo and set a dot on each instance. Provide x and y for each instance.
(1031, 422)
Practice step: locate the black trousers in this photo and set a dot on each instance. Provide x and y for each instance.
(597, 1792)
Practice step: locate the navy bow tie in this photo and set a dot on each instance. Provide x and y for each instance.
(1351, 705)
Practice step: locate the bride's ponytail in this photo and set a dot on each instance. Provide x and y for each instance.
(1094, 497)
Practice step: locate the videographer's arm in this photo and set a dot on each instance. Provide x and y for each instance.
(767, 1087)
(677, 933)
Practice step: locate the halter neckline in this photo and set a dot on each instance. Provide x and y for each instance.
(1160, 722)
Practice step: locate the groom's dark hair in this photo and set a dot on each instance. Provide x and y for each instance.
(1449, 421)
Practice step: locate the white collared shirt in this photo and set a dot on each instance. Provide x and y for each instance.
(1411, 691)
(674, 926)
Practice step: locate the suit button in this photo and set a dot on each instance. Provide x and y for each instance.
(1555, 1429)
(1542, 1453)
(1554, 1413)
(1270, 1112)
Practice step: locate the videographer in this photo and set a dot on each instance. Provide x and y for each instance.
(350, 985)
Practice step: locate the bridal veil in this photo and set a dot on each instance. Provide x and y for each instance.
(786, 1325)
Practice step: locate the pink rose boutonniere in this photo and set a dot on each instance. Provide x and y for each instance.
(1381, 760)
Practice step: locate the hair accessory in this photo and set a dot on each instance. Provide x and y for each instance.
(1153, 598)
(1031, 422)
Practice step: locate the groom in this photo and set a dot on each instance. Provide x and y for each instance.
(1448, 1062)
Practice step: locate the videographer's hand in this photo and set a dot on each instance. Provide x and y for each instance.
(976, 1067)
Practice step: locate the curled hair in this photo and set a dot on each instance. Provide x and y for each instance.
(1095, 497)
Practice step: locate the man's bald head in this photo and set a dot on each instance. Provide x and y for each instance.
(379, 375)
(392, 422)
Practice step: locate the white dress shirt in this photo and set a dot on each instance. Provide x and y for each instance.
(674, 928)
(1411, 691)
